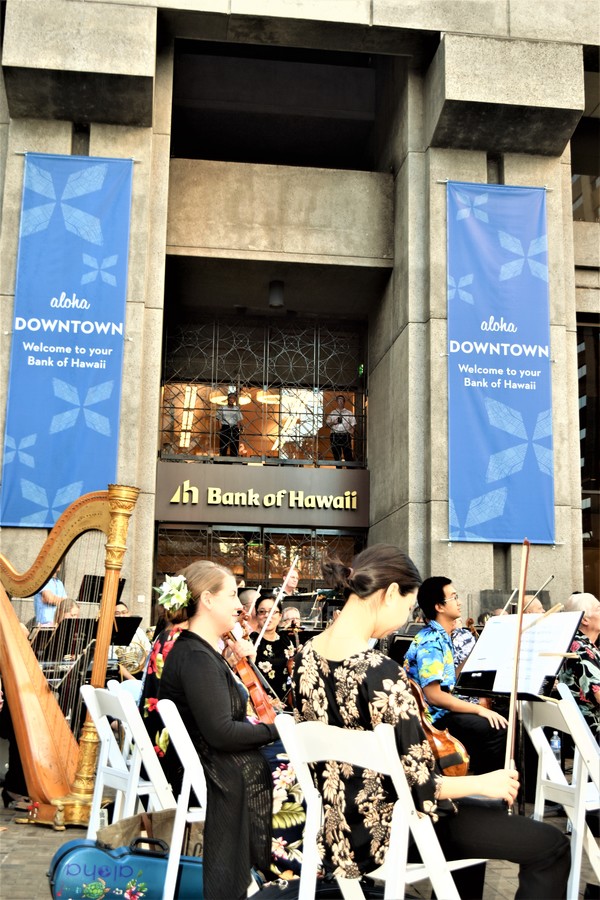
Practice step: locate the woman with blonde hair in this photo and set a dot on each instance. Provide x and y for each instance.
(212, 703)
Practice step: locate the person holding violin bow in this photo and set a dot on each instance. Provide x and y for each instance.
(275, 648)
(430, 663)
(213, 702)
(340, 680)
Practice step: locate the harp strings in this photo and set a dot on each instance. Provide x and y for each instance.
(65, 650)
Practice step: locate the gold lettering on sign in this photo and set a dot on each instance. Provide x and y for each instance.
(215, 496)
(300, 500)
(185, 494)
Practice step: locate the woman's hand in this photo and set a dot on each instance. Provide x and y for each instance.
(494, 718)
(242, 648)
(503, 784)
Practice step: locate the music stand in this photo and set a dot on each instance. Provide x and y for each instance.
(487, 671)
(91, 588)
(124, 629)
(69, 638)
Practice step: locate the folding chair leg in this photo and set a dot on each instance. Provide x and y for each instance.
(351, 889)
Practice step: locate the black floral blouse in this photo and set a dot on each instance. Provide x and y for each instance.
(272, 662)
(359, 693)
(582, 676)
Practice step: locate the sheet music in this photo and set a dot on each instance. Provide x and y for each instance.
(494, 651)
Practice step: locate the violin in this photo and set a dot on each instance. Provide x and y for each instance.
(450, 754)
(262, 703)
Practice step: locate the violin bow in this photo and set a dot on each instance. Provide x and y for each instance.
(512, 711)
(510, 599)
(536, 595)
(276, 603)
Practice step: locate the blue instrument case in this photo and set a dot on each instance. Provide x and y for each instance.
(87, 870)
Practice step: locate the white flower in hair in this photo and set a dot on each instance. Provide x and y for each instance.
(174, 592)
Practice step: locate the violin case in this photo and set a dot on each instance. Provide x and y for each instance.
(87, 869)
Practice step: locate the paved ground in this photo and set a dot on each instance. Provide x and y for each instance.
(26, 852)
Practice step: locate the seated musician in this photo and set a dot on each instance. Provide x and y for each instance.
(181, 610)
(582, 675)
(47, 599)
(132, 659)
(248, 599)
(290, 619)
(430, 662)
(212, 704)
(68, 609)
(274, 650)
(339, 680)
(290, 586)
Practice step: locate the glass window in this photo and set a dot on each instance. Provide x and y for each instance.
(285, 379)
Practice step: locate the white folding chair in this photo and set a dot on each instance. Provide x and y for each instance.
(193, 780)
(311, 742)
(130, 685)
(120, 769)
(579, 796)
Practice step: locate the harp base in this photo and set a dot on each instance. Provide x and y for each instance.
(74, 808)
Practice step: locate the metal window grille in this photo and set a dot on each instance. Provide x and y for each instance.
(286, 377)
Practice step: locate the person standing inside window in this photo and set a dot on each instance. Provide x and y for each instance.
(342, 424)
(229, 418)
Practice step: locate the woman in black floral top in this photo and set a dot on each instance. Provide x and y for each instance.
(339, 680)
(274, 650)
(582, 674)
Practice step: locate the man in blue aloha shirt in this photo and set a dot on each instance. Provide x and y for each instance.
(430, 662)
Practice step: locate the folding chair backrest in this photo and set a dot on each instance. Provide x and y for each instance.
(129, 685)
(311, 742)
(182, 742)
(579, 796)
(121, 768)
(583, 739)
(193, 780)
(111, 753)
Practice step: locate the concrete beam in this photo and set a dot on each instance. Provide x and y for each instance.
(504, 96)
(280, 211)
(73, 61)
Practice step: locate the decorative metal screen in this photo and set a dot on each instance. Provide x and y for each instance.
(261, 556)
(286, 376)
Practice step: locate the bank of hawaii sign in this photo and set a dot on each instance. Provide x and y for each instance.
(262, 495)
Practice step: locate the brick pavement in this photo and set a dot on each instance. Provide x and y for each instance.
(26, 852)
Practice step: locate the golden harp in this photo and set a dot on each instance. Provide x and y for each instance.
(60, 773)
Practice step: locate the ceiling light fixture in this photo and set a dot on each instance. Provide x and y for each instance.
(276, 294)
(265, 397)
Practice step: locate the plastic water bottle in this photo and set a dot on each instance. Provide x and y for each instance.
(555, 745)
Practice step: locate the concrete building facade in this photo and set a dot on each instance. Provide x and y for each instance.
(308, 142)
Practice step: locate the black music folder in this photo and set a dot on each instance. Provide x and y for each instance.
(69, 638)
(489, 668)
(91, 587)
(124, 629)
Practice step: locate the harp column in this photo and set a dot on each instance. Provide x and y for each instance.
(74, 809)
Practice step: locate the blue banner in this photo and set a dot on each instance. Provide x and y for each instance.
(501, 475)
(62, 419)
